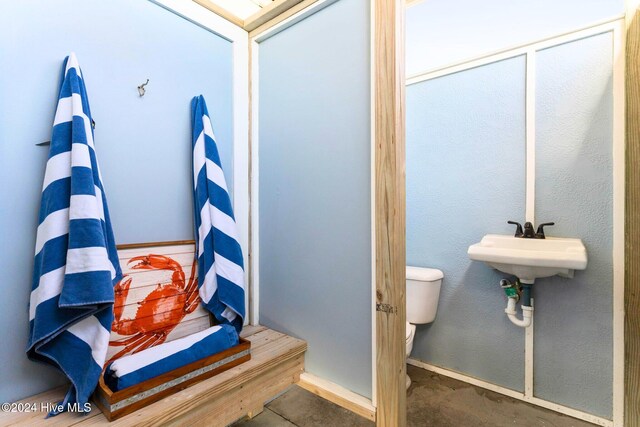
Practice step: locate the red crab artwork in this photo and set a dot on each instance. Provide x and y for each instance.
(160, 311)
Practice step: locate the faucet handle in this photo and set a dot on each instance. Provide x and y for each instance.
(519, 232)
(528, 230)
(540, 232)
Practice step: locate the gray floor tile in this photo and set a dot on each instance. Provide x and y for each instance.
(305, 409)
(433, 400)
(266, 419)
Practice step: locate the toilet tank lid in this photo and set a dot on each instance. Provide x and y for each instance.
(424, 274)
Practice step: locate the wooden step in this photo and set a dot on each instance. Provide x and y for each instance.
(277, 360)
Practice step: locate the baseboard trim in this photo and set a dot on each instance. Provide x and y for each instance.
(339, 395)
(513, 393)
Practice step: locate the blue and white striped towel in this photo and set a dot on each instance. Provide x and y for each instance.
(136, 368)
(76, 263)
(220, 263)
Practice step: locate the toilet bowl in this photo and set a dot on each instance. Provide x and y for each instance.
(411, 332)
(423, 291)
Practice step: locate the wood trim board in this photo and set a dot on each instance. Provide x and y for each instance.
(254, 306)
(154, 244)
(116, 404)
(253, 303)
(632, 219)
(281, 17)
(277, 360)
(265, 18)
(512, 393)
(338, 395)
(268, 13)
(409, 3)
(220, 11)
(390, 240)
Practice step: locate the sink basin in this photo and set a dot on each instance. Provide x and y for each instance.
(530, 259)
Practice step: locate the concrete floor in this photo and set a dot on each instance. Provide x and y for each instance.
(432, 400)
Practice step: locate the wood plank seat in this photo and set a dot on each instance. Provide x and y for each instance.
(277, 360)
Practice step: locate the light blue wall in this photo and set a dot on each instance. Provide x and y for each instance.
(573, 333)
(143, 144)
(315, 244)
(573, 317)
(472, 27)
(465, 178)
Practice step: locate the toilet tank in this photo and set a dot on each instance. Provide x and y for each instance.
(423, 291)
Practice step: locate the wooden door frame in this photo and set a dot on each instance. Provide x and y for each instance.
(632, 218)
(389, 210)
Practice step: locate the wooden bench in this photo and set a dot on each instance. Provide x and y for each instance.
(277, 360)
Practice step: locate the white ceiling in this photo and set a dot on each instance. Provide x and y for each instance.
(242, 8)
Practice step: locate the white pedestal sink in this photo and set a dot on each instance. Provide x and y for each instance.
(530, 259)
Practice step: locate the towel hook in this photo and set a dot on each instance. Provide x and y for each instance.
(141, 89)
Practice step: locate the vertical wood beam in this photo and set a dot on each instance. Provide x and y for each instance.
(632, 219)
(390, 246)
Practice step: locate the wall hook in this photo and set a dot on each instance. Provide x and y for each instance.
(141, 89)
(47, 143)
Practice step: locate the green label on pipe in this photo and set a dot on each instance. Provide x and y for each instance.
(511, 292)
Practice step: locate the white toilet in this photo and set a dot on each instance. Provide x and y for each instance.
(423, 291)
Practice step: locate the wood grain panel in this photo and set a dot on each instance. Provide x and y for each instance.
(161, 249)
(268, 13)
(632, 219)
(270, 351)
(139, 395)
(141, 292)
(164, 315)
(277, 360)
(389, 87)
(129, 314)
(155, 306)
(185, 260)
(338, 395)
(36, 418)
(281, 17)
(249, 330)
(191, 324)
(239, 401)
(409, 3)
(220, 12)
(126, 246)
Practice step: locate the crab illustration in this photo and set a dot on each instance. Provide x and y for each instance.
(160, 311)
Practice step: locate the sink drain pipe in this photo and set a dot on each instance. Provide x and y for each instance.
(518, 291)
